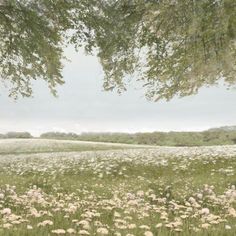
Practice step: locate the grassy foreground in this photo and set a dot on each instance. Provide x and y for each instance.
(162, 191)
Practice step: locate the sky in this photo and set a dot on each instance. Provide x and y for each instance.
(83, 106)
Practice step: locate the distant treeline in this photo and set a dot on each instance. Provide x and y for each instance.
(16, 135)
(211, 137)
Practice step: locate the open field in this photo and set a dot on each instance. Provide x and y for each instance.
(26, 146)
(52, 187)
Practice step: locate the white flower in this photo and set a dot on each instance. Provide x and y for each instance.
(70, 231)
(45, 222)
(148, 233)
(6, 211)
(58, 231)
(144, 227)
(199, 195)
(159, 225)
(232, 212)
(7, 226)
(117, 234)
(15, 222)
(192, 200)
(117, 214)
(102, 231)
(140, 193)
(83, 232)
(132, 226)
(227, 227)
(204, 211)
(84, 224)
(205, 226)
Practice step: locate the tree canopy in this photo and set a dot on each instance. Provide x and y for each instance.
(174, 47)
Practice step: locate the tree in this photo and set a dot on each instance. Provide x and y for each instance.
(18, 135)
(173, 47)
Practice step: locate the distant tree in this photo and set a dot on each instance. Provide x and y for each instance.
(219, 137)
(173, 47)
(234, 140)
(59, 135)
(18, 135)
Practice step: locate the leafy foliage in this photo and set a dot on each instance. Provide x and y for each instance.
(30, 45)
(173, 47)
(176, 46)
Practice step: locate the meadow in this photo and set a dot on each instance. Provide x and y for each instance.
(50, 187)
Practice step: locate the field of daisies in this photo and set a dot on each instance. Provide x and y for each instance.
(50, 187)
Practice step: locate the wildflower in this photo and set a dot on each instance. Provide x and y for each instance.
(15, 222)
(6, 211)
(159, 225)
(7, 226)
(205, 226)
(195, 229)
(140, 193)
(58, 231)
(204, 211)
(199, 195)
(29, 227)
(148, 233)
(132, 226)
(117, 234)
(227, 227)
(117, 214)
(84, 224)
(84, 232)
(70, 231)
(97, 223)
(44, 223)
(102, 231)
(232, 212)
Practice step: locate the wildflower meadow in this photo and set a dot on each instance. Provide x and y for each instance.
(50, 187)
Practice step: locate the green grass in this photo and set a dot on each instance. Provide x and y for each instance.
(176, 181)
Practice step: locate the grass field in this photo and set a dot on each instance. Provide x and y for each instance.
(73, 188)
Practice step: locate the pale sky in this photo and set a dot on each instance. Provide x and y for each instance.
(83, 106)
